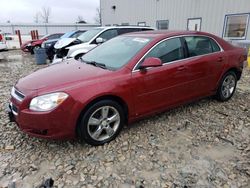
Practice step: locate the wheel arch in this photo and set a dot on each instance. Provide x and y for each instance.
(115, 98)
(236, 71)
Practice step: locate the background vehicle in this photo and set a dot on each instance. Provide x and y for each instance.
(66, 48)
(3, 45)
(49, 44)
(122, 80)
(30, 45)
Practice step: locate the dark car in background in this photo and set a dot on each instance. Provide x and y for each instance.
(49, 44)
(29, 46)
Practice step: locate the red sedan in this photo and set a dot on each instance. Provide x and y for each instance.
(29, 46)
(122, 80)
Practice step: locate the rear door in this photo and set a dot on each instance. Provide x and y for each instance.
(204, 64)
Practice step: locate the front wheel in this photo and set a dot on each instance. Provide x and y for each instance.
(101, 123)
(227, 86)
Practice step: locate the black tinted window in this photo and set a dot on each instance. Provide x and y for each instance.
(215, 46)
(167, 51)
(106, 35)
(128, 30)
(198, 45)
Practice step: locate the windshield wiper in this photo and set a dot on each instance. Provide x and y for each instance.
(101, 65)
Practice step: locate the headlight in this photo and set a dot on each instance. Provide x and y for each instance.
(47, 102)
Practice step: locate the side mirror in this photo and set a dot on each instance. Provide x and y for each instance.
(99, 40)
(151, 62)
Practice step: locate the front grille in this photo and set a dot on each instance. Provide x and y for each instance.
(17, 94)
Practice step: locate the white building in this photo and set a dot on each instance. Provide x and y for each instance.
(226, 18)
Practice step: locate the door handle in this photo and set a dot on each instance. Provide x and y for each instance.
(220, 59)
(181, 68)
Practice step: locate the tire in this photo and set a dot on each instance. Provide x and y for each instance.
(96, 127)
(227, 86)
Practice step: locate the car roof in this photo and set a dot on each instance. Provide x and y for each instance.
(113, 27)
(166, 33)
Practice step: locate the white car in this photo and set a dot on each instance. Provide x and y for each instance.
(3, 45)
(70, 47)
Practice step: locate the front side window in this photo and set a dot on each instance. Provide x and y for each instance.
(109, 34)
(198, 45)
(162, 24)
(128, 30)
(236, 26)
(167, 51)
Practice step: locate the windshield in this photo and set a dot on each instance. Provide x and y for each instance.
(116, 52)
(45, 36)
(88, 35)
(67, 35)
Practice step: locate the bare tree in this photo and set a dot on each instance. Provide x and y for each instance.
(80, 20)
(98, 18)
(45, 14)
(36, 17)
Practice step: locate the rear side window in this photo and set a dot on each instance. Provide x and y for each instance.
(146, 29)
(128, 30)
(109, 34)
(199, 45)
(215, 46)
(167, 51)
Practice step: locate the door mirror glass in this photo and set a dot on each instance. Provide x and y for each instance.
(99, 40)
(151, 62)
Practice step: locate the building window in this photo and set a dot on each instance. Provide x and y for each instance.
(125, 24)
(162, 24)
(141, 23)
(236, 26)
(194, 24)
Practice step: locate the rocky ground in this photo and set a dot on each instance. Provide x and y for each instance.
(203, 144)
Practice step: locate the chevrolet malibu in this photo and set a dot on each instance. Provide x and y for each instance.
(122, 80)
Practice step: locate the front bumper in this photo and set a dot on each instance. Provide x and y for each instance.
(10, 113)
(56, 124)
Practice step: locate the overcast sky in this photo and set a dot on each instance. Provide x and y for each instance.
(62, 11)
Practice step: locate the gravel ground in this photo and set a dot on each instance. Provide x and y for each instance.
(203, 144)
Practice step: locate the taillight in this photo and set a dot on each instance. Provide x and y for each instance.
(1, 37)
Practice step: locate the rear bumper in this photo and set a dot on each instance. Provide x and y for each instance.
(3, 46)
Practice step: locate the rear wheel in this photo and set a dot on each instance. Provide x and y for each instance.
(227, 86)
(101, 123)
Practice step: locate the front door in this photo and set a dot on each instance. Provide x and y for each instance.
(158, 87)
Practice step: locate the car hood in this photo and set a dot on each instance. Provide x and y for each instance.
(61, 75)
(63, 42)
